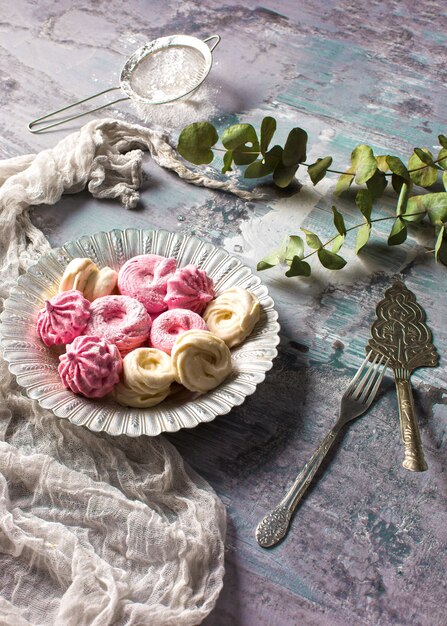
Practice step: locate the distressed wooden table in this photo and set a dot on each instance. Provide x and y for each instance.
(368, 544)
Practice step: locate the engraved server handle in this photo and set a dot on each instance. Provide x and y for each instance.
(275, 524)
(409, 429)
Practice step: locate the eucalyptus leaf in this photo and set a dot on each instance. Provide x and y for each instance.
(243, 141)
(298, 268)
(403, 198)
(363, 200)
(444, 179)
(364, 163)
(295, 247)
(434, 203)
(318, 170)
(423, 175)
(337, 243)
(344, 181)
(195, 142)
(377, 184)
(363, 236)
(425, 155)
(397, 182)
(442, 140)
(268, 128)
(227, 161)
(397, 167)
(330, 260)
(295, 148)
(439, 241)
(442, 251)
(312, 240)
(283, 174)
(264, 166)
(442, 158)
(382, 163)
(398, 233)
(339, 222)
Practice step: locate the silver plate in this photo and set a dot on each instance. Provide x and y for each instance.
(35, 366)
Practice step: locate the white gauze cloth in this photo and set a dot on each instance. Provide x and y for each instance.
(94, 530)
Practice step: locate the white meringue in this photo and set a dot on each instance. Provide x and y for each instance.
(233, 315)
(201, 360)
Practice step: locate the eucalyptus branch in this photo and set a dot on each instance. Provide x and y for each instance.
(243, 147)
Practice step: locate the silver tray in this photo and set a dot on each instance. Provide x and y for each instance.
(35, 365)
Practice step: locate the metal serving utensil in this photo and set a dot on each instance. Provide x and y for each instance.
(355, 401)
(401, 335)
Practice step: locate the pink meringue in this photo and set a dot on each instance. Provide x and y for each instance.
(121, 320)
(91, 366)
(144, 277)
(63, 318)
(168, 325)
(189, 288)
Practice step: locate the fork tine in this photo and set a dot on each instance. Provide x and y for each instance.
(362, 393)
(370, 372)
(376, 376)
(361, 370)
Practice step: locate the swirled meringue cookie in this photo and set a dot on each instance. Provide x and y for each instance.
(144, 277)
(83, 274)
(201, 360)
(122, 320)
(63, 318)
(233, 315)
(189, 288)
(91, 366)
(148, 374)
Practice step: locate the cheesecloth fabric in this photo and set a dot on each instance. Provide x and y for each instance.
(94, 530)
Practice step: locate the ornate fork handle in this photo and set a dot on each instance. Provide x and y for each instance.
(275, 524)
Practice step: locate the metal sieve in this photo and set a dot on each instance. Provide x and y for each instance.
(161, 71)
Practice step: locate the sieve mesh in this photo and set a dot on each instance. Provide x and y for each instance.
(168, 73)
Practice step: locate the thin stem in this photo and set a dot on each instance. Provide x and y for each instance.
(379, 219)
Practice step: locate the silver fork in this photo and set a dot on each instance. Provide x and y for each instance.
(355, 401)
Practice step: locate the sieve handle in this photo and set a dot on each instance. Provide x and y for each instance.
(42, 126)
(216, 37)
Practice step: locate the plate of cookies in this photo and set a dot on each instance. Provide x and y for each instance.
(139, 332)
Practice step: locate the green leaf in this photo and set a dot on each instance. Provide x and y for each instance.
(442, 251)
(330, 260)
(295, 247)
(298, 268)
(344, 181)
(265, 166)
(382, 163)
(444, 179)
(442, 158)
(268, 127)
(364, 163)
(317, 171)
(434, 203)
(283, 175)
(439, 241)
(243, 141)
(403, 198)
(363, 200)
(397, 167)
(424, 175)
(363, 236)
(377, 184)
(275, 257)
(312, 240)
(398, 233)
(227, 161)
(295, 148)
(442, 140)
(339, 222)
(195, 142)
(337, 243)
(425, 155)
(397, 182)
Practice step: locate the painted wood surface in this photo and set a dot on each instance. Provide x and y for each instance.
(368, 544)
